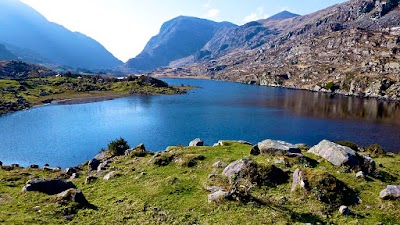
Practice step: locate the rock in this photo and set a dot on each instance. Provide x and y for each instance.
(226, 142)
(214, 189)
(219, 164)
(273, 147)
(102, 155)
(344, 210)
(36, 208)
(360, 174)
(49, 168)
(218, 196)
(73, 176)
(72, 194)
(110, 175)
(1, 163)
(138, 151)
(236, 167)
(390, 192)
(69, 171)
(299, 180)
(279, 161)
(255, 150)
(93, 164)
(368, 165)
(15, 165)
(50, 187)
(34, 166)
(89, 179)
(336, 154)
(103, 165)
(196, 142)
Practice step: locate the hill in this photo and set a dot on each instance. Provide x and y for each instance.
(5, 54)
(178, 38)
(29, 35)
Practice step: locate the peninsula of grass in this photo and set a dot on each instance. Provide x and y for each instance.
(19, 94)
(172, 187)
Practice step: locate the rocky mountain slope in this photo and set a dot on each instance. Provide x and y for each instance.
(29, 35)
(5, 54)
(18, 69)
(178, 38)
(350, 48)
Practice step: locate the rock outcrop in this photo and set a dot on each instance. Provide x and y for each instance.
(272, 147)
(196, 142)
(50, 187)
(390, 192)
(336, 154)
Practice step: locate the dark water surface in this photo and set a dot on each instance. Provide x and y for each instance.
(67, 135)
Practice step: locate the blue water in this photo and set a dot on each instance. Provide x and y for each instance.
(67, 135)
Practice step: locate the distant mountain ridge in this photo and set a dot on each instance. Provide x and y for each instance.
(5, 54)
(26, 30)
(178, 38)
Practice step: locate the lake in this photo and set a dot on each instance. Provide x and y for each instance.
(67, 135)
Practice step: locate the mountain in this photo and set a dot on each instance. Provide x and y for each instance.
(178, 38)
(26, 30)
(5, 54)
(283, 15)
(351, 48)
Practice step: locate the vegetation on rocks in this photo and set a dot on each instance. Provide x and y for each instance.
(171, 187)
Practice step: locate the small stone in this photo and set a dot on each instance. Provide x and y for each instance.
(360, 174)
(218, 196)
(344, 210)
(219, 164)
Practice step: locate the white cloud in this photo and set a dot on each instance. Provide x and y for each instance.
(212, 13)
(256, 15)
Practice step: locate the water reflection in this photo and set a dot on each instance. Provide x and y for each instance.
(328, 106)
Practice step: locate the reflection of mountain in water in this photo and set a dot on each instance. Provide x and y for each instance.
(322, 105)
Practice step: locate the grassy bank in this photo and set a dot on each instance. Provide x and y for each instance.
(171, 189)
(24, 93)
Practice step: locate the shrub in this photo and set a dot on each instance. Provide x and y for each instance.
(376, 150)
(118, 146)
(348, 144)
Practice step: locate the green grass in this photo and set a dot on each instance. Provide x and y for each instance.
(175, 194)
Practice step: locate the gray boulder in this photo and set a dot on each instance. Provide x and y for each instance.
(93, 164)
(69, 171)
(368, 165)
(360, 174)
(73, 195)
(50, 187)
(226, 142)
(138, 151)
(255, 150)
(273, 147)
(344, 210)
(102, 155)
(219, 164)
(214, 189)
(298, 180)
(390, 192)
(218, 196)
(103, 165)
(336, 154)
(49, 168)
(110, 175)
(196, 142)
(236, 167)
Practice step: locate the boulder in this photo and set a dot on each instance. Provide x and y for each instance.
(273, 147)
(255, 150)
(299, 180)
(360, 174)
(50, 187)
(196, 142)
(138, 151)
(214, 189)
(49, 168)
(344, 210)
(218, 196)
(103, 165)
(69, 171)
(73, 195)
(336, 154)
(226, 142)
(368, 165)
(219, 164)
(34, 166)
(15, 165)
(93, 164)
(236, 167)
(390, 192)
(1, 163)
(110, 175)
(89, 179)
(102, 155)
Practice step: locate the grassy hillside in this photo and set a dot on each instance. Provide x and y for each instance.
(21, 94)
(170, 188)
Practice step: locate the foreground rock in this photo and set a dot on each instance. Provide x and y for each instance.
(93, 164)
(336, 154)
(272, 147)
(299, 180)
(72, 194)
(138, 151)
(196, 142)
(50, 187)
(390, 192)
(344, 210)
(218, 196)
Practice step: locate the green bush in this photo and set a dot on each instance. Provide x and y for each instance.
(118, 146)
(348, 144)
(376, 150)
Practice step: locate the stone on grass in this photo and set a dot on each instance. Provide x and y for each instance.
(138, 151)
(236, 167)
(34, 166)
(69, 171)
(93, 164)
(272, 147)
(368, 165)
(110, 175)
(89, 179)
(50, 187)
(360, 174)
(218, 196)
(336, 154)
(103, 165)
(73, 195)
(344, 210)
(255, 150)
(196, 142)
(219, 164)
(391, 192)
(214, 189)
(298, 180)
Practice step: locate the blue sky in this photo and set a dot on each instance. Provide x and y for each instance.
(125, 26)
